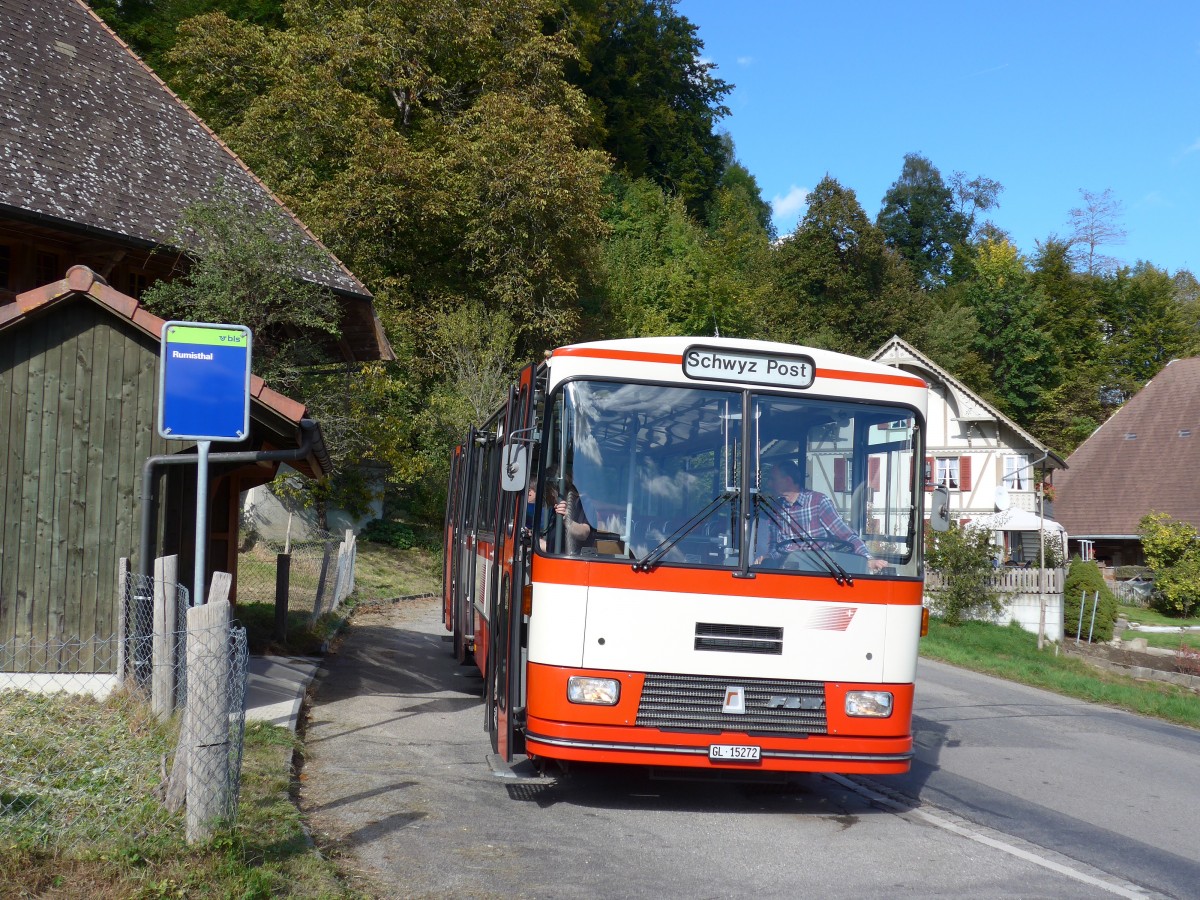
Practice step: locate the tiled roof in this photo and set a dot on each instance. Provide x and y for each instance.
(89, 136)
(1145, 458)
(81, 280)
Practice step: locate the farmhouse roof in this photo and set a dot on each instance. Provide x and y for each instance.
(971, 407)
(282, 414)
(91, 140)
(1145, 458)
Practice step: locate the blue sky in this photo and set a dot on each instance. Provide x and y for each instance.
(1044, 97)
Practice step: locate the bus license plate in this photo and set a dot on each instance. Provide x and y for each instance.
(733, 753)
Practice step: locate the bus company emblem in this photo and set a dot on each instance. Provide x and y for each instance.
(775, 701)
(735, 700)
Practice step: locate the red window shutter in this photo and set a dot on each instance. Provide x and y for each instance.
(964, 473)
(839, 474)
(929, 473)
(873, 472)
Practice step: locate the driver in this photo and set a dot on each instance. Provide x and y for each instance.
(807, 513)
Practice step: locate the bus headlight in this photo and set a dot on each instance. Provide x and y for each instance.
(597, 691)
(869, 704)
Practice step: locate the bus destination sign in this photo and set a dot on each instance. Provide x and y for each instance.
(725, 364)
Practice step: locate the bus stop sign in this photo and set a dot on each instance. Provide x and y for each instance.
(204, 382)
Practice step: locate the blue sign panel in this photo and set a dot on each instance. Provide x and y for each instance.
(204, 382)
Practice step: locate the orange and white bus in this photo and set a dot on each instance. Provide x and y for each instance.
(643, 560)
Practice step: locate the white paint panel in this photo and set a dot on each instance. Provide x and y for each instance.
(557, 624)
(647, 631)
(904, 630)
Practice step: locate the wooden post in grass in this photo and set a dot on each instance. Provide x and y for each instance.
(122, 618)
(166, 602)
(207, 718)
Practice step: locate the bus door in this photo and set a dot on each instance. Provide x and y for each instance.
(463, 613)
(451, 534)
(506, 682)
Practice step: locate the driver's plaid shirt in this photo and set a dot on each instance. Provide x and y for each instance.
(813, 514)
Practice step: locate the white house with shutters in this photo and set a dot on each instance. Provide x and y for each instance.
(987, 460)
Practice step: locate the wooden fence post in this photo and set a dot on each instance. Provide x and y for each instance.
(122, 618)
(208, 711)
(166, 603)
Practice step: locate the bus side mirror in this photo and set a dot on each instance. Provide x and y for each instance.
(514, 473)
(939, 508)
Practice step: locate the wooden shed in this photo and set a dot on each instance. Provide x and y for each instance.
(78, 393)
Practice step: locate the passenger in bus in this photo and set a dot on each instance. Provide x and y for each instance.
(563, 501)
(808, 513)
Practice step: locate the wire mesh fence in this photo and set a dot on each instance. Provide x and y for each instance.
(320, 572)
(102, 742)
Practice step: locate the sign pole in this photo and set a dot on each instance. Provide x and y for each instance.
(199, 598)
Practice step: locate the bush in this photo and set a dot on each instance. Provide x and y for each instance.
(1083, 580)
(391, 534)
(963, 557)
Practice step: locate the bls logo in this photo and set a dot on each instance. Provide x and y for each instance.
(735, 700)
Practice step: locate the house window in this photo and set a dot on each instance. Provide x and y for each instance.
(1016, 473)
(947, 472)
(138, 283)
(47, 268)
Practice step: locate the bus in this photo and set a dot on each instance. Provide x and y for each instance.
(695, 552)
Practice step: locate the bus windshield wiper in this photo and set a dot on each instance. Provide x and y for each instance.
(652, 559)
(778, 516)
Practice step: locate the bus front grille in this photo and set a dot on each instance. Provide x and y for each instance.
(739, 638)
(696, 702)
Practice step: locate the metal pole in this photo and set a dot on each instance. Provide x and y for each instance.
(202, 447)
(1092, 627)
(1082, 605)
(1041, 564)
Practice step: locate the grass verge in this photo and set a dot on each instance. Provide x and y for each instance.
(266, 854)
(1145, 616)
(1011, 652)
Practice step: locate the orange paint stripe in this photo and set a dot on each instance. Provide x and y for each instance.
(677, 360)
(905, 380)
(722, 583)
(626, 355)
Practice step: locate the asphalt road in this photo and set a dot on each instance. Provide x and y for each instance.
(999, 803)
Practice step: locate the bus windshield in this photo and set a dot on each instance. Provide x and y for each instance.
(664, 475)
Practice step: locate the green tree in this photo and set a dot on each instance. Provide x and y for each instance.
(1173, 553)
(655, 101)
(1145, 327)
(1011, 338)
(1071, 410)
(1084, 581)
(920, 221)
(439, 149)
(841, 287)
(962, 557)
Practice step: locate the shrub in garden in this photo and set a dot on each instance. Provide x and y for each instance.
(963, 557)
(392, 534)
(1083, 581)
(1172, 549)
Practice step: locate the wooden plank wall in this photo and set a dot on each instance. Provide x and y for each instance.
(77, 419)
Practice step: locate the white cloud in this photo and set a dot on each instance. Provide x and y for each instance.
(745, 60)
(1194, 148)
(787, 208)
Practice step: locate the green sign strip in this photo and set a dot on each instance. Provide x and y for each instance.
(218, 337)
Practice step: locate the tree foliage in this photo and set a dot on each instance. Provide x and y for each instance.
(841, 287)
(1173, 553)
(962, 557)
(920, 220)
(654, 98)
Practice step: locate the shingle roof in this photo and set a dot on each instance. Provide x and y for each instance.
(83, 282)
(89, 136)
(1145, 458)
